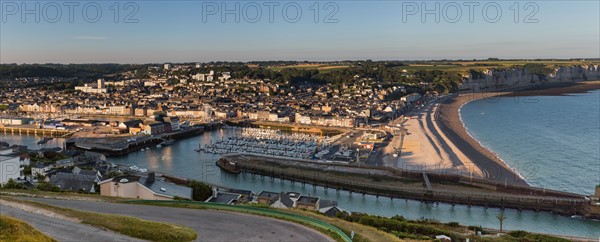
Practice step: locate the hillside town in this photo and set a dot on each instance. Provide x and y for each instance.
(208, 97)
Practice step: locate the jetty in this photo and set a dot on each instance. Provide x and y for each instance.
(55, 133)
(395, 183)
(117, 146)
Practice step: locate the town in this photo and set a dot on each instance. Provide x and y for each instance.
(373, 129)
(212, 96)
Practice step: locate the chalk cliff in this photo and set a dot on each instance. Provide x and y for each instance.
(519, 77)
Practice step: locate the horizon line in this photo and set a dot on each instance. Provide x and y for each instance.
(309, 61)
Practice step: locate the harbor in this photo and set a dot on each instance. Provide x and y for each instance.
(180, 160)
(271, 143)
(118, 146)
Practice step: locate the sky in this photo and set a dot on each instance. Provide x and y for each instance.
(157, 31)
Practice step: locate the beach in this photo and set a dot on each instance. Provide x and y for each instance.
(451, 125)
(426, 148)
(557, 89)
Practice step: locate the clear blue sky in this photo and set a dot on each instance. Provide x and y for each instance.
(174, 31)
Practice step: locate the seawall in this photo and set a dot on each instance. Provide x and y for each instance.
(394, 183)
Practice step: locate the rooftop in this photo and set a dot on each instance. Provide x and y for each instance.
(166, 188)
(7, 157)
(224, 197)
(309, 200)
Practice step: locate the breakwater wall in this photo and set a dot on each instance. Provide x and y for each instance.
(520, 198)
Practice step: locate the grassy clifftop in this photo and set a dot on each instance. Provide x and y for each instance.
(12, 229)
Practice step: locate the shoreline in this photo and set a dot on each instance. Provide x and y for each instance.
(489, 162)
(485, 147)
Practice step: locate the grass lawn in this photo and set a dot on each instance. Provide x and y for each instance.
(58, 195)
(12, 229)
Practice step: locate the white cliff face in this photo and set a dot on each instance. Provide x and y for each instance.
(519, 77)
(575, 73)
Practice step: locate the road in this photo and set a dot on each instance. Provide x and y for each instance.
(209, 224)
(63, 230)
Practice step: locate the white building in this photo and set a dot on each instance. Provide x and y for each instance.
(89, 88)
(411, 97)
(199, 77)
(100, 83)
(167, 66)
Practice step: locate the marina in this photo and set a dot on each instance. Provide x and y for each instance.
(271, 143)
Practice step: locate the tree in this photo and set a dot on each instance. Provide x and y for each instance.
(45, 186)
(200, 191)
(10, 184)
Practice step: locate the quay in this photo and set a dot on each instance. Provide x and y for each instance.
(421, 186)
(294, 127)
(117, 146)
(55, 133)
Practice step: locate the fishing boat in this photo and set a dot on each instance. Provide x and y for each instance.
(167, 142)
(44, 141)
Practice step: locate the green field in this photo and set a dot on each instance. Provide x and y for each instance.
(323, 68)
(463, 67)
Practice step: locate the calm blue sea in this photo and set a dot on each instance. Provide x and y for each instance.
(552, 141)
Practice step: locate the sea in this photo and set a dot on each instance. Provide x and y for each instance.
(552, 141)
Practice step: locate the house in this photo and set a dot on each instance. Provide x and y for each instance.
(157, 128)
(64, 162)
(174, 121)
(276, 200)
(246, 195)
(331, 211)
(148, 188)
(443, 238)
(284, 201)
(40, 169)
(308, 203)
(223, 197)
(68, 181)
(127, 125)
(267, 197)
(9, 168)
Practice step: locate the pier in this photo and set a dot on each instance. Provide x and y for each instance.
(453, 191)
(123, 145)
(55, 133)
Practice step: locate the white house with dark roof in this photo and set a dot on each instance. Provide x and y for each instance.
(148, 188)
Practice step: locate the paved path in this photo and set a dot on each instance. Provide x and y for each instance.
(63, 230)
(209, 224)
